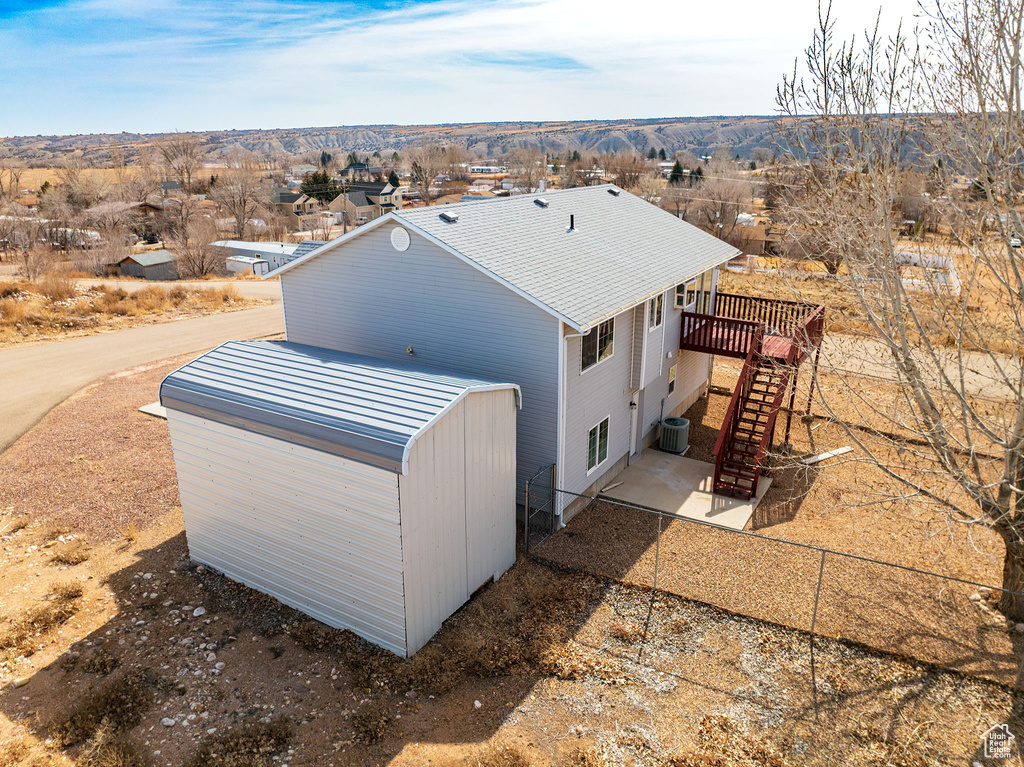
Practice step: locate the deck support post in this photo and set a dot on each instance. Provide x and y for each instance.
(814, 377)
(792, 401)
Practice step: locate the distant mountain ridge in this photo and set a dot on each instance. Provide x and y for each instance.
(695, 134)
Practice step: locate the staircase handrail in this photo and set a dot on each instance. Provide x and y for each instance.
(769, 428)
(742, 388)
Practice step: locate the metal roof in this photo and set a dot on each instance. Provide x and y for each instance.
(150, 258)
(279, 248)
(366, 409)
(619, 251)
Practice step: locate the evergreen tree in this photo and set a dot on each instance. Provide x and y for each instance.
(752, 166)
(696, 175)
(320, 186)
(575, 156)
(661, 154)
(677, 173)
(652, 153)
(393, 179)
(325, 158)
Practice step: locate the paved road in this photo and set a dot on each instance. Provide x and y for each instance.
(267, 289)
(38, 378)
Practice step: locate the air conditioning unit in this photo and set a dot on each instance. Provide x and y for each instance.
(675, 435)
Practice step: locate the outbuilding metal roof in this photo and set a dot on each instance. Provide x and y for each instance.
(363, 408)
(585, 255)
(150, 258)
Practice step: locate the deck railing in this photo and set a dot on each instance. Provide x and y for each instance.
(739, 394)
(781, 317)
(708, 331)
(729, 330)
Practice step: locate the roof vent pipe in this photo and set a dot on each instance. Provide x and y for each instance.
(572, 222)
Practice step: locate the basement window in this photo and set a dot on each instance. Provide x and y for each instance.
(597, 445)
(671, 379)
(598, 345)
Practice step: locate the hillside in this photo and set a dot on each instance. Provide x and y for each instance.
(696, 134)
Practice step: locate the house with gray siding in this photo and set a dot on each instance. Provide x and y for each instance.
(574, 295)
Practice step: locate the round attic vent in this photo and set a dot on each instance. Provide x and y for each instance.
(400, 239)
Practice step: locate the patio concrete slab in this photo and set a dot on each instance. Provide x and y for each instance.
(682, 486)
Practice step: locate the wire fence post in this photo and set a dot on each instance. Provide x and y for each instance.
(654, 590)
(814, 619)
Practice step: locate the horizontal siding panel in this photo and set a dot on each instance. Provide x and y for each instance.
(316, 531)
(368, 298)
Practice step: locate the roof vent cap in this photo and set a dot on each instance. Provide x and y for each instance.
(614, 192)
(451, 218)
(540, 201)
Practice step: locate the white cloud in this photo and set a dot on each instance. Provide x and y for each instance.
(230, 64)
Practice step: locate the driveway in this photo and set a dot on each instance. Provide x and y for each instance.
(37, 378)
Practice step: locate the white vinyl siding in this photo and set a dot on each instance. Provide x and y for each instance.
(591, 396)
(458, 510)
(316, 531)
(368, 298)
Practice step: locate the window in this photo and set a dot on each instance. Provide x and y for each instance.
(671, 379)
(597, 445)
(654, 312)
(597, 344)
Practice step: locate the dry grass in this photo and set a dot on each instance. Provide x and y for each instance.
(721, 742)
(109, 747)
(101, 661)
(251, 745)
(130, 532)
(70, 554)
(116, 706)
(371, 721)
(18, 751)
(626, 632)
(584, 756)
(503, 756)
(54, 306)
(41, 619)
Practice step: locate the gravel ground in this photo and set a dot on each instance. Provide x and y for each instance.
(553, 667)
(919, 616)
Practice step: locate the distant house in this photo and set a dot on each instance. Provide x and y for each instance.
(367, 200)
(171, 189)
(302, 170)
(357, 170)
(293, 205)
(154, 265)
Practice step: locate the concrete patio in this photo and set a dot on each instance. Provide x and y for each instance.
(681, 486)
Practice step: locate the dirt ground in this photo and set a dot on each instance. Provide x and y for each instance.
(116, 650)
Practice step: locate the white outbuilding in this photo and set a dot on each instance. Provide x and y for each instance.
(373, 495)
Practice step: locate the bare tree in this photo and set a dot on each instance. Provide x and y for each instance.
(649, 187)
(193, 246)
(240, 192)
(528, 166)
(183, 157)
(10, 181)
(626, 167)
(425, 164)
(950, 437)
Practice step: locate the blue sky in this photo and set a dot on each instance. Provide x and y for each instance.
(105, 66)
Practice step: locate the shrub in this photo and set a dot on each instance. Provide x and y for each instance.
(371, 721)
(13, 311)
(116, 706)
(57, 287)
(248, 746)
(72, 553)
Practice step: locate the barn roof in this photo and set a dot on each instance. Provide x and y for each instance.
(363, 408)
(582, 254)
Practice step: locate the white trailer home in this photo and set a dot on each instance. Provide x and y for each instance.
(373, 495)
(575, 295)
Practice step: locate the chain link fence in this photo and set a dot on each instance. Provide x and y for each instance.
(921, 616)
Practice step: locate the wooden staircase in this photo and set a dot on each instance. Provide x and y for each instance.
(749, 428)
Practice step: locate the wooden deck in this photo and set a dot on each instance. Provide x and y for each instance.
(730, 330)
